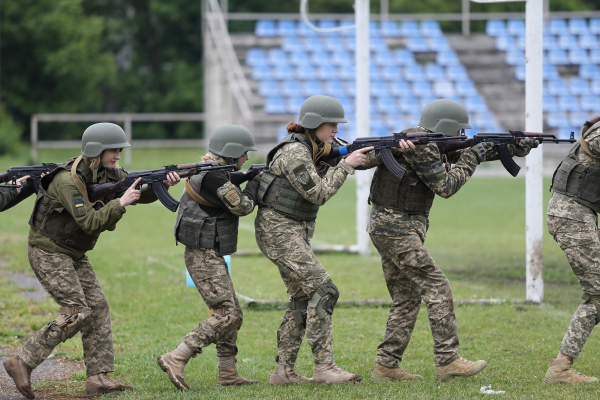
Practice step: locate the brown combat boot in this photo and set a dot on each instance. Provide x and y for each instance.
(21, 374)
(285, 375)
(102, 384)
(331, 373)
(381, 373)
(459, 367)
(173, 364)
(560, 371)
(228, 374)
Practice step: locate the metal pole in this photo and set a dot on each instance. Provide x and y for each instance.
(34, 139)
(466, 17)
(546, 10)
(361, 9)
(224, 8)
(384, 9)
(129, 135)
(534, 16)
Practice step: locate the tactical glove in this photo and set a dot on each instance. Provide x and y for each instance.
(525, 146)
(480, 150)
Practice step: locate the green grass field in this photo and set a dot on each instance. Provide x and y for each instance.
(477, 238)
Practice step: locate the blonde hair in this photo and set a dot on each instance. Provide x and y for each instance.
(94, 163)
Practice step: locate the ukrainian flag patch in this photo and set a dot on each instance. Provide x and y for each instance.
(77, 203)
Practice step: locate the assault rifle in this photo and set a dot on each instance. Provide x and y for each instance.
(239, 177)
(447, 144)
(154, 178)
(35, 174)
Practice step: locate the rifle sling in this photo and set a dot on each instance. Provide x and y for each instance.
(194, 195)
(79, 184)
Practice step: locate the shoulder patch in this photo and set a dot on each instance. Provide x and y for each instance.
(437, 167)
(303, 176)
(233, 197)
(77, 203)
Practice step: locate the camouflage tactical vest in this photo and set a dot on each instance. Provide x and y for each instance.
(50, 218)
(196, 229)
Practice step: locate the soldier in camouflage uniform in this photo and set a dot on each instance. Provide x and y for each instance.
(207, 224)
(290, 194)
(64, 226)
(7, 196)
(573, 222)
(397, 226)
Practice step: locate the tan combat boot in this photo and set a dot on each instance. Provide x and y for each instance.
(228, 373)
(331, 373)
(285, 375)
(173, 364)
(21, 374)
(459, 367)
(381, 373)
(102, 384)
(560, 371)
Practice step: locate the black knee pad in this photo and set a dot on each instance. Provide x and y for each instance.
(325, 299)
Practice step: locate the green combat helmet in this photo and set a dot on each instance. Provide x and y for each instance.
(231, 141)
(102, 136)
(445, 116)
(320, 109)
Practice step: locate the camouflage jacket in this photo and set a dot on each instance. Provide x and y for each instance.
(6, 196)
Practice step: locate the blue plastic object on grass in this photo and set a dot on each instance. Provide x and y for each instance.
(188, 278)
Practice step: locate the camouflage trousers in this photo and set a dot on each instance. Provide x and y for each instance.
(286, 243)
(581, 243)
(211, 277)
(71, 283)
(412, 276)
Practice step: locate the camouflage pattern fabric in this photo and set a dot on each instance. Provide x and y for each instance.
(6, 196)
(71, 283)
(412, 276)
(211, 277)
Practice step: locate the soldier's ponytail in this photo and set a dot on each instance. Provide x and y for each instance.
(293, 127)
(588, 124)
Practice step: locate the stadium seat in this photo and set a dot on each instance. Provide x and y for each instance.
(417, 44)
(378, 44)
(515, 27)
(595, 86)
(516, 57)
(565, 133)
(268, 88)
(350, 88)
(347, 72)
(328, 24)
(457, 73)
(400, 89)
(326, 72)
(447, 58)
(557, 57)
(374, 72)
(578, 118)
(374, 29)
(557, 26)
(348, 105)
(549, 104)
(412, 119)
(310, 44)
(291, 43)
(281, 132)
(290, 88)
(342, 58)
(430, 28)
(520, 73)
(567, 42)
(557, 87)
(261, 73)
(305, 72)
(277, 57)
(386, 105)
(409, 28)
(550, 72)
(434, 72)
(568, 103)
(286, 28)
(421, 89)
(404, 57)
(549, 43)
(318, 58)
(256, 56)
(504, 43)
(389, 29)
(305, 31)
(595, 56)
(408, 104)
(311, 88)
(347, 32)
(333, 88)
(475, 104)
(588, 42)
(293, 104)
(578, 56)
(414, 73)
(265, 28)
(578, 26)
(391, 73)
(349, 43)
(590, 103)
(438, 43)
(466, 88)
(578, 87)
(282, 72)
(425, 99)
(299, 57)
(521, 42)
(379, 89)
(588, 71)
(444, 89)
(557, 120)
(332, 43)
(594, 26)
(275, 105)
(394, 122)
(495, 27)
(383, 58)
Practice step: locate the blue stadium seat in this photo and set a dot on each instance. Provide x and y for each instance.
(342, 57)
(350, 88)
(347, 32)
(421, 89)
(504, 43)
(578, 118)
(520, 73)
(457, 73)
(408, 105)
(515, 27)
(557, 26)
(389, 29)
(549, 104)
(326, 72)
(374, 29)
(268, 88)
(276, 57)
(430, 28)
(281, 132)
(377, 44)
(379, 89)
(305, 72)
(578, 26)
(466, 88)
(261, 73)
(309, 44)
(594, 26)
(334, 88)
(282, 72)
(391, 73)
(447, 57)
(521, 42)
(578, 56)
(291, 43)
(404, 57)
(578, 87)
(475, 104)
(567, 42)
(394, 122)
(311, 88)
(414, 73)
(319, 58)
(417, 44)
(568, 103)
(386, 105)
(412, 119)
(557, 120)
(558, 57)
(595, 56)
(588, 71)
(293, 104)
(349, 43)
(275, 105)
(595, 86)
(374, 72)
(256, 56)
(495, 27)
(444, 89)
(347, 72)
(549, 43)
(550, 72)
(565, 133)
(348, 105)
(304, 30)
(557, 87)
(438, 43)
(409, 28)
(588, 42)
(426, 99)
(299, 57)
(434, 72)
(286, 28)
(328, 24)
(516, 57)
(383, 58)
(265, 28)
(290, 88)
(332, 43)
(590, 103)
(400, 89)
